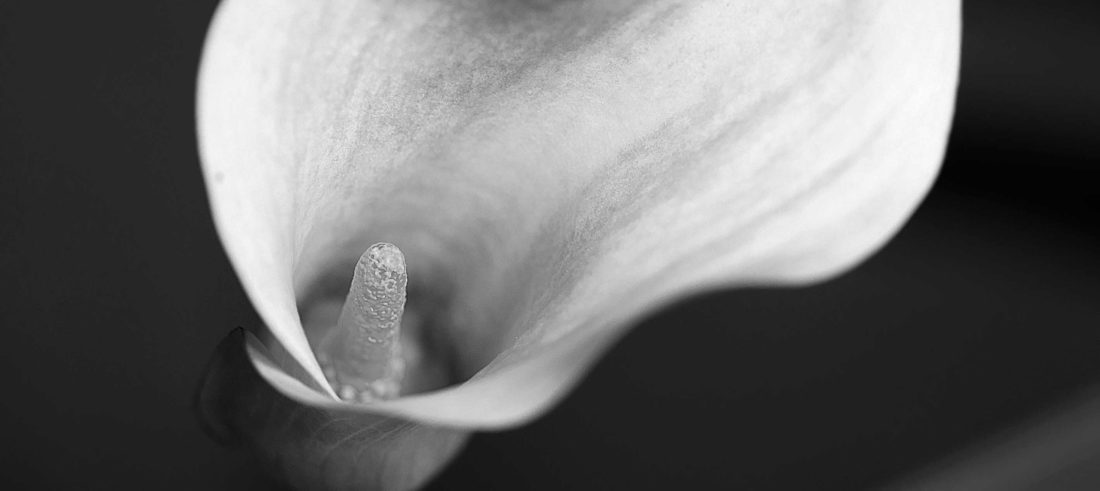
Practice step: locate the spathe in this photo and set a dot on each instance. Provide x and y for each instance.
(553, 171)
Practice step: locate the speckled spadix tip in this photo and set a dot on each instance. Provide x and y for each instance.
(385, 257)
(361, 355)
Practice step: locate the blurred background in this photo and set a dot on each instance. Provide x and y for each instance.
(967, 351)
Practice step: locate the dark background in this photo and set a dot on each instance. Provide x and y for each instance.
(984, 312)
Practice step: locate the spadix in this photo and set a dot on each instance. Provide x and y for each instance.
(361, 355)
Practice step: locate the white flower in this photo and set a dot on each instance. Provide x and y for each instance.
(552, 171)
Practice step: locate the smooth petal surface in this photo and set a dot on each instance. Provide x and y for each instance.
(554, 170)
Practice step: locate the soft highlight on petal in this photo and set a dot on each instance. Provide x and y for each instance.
(555, 171)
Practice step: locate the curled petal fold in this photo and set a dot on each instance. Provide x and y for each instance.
(310, 447)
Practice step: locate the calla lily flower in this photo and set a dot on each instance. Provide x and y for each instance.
(552, 172)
